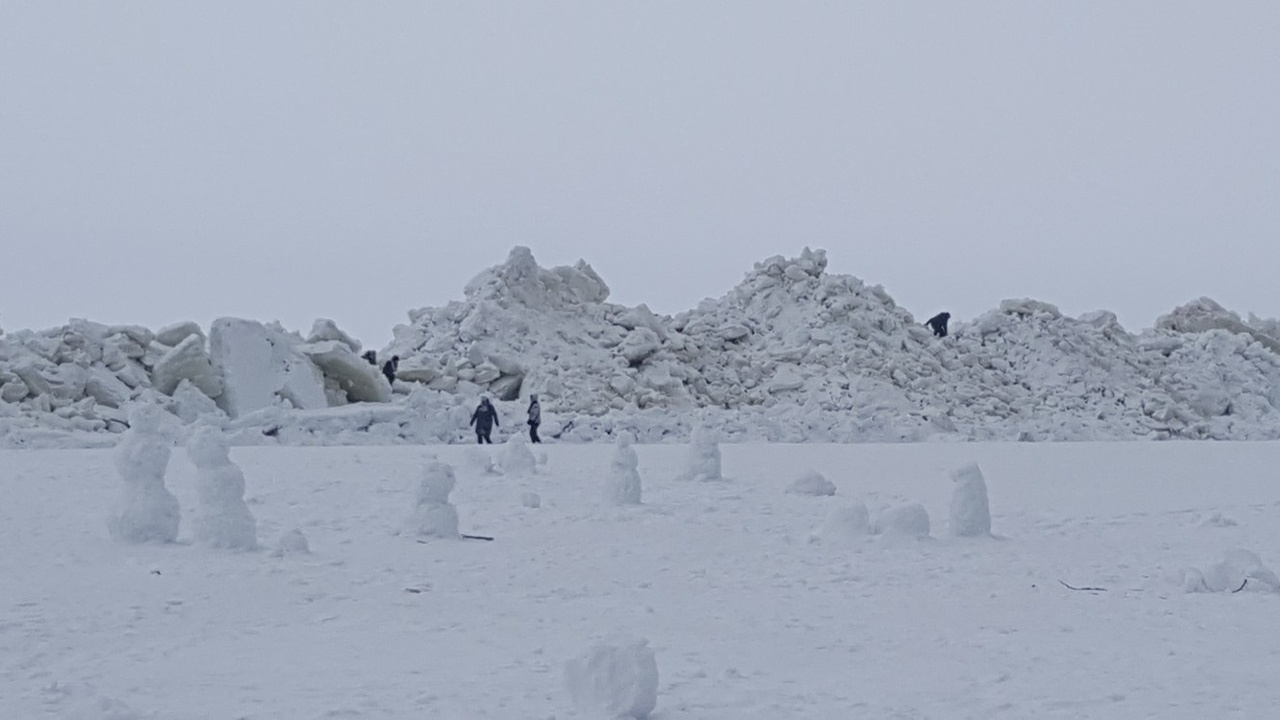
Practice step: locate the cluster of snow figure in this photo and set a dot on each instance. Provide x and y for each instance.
(755, 363)
(970, 511)
(970, 517)
(617, 678)
(148, 513)
(433, 516)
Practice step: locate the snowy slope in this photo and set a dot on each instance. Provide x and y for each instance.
(749, 615)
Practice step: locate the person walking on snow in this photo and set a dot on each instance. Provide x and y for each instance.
(535, 418)
(485, 418)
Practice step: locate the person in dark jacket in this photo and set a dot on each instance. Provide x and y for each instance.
(938, 323)
(485, 418)
(390, 368)
(535, 418)
(371, 356)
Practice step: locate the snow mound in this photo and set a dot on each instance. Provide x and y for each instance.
(791, 340)
(1217, 519)
(813, 483)
(970, 513)
(905, 521)
(293, 542)
(614, 680)
(83, 701)
(521, 329)
(173, 335)
(846, 523)
(482, 461)
(433, 515)
(1204, 315)
(325, 330)
(1238, 570)
(517, 458)
(225, 520)
(623, 486)
(146, 511)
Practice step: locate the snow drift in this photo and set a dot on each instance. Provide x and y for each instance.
(615, 680)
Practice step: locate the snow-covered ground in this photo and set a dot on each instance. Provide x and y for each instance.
(749, 615)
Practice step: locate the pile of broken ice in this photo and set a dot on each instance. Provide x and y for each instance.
(792, 353)
(75, 384)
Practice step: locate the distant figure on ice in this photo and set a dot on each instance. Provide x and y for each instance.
(535, 418)
(485, 418)
(938, 323)
(390, 368)
(371, 356)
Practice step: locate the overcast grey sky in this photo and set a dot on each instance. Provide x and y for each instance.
(293, 160)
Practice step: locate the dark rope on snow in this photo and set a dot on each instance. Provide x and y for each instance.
(1082, 589)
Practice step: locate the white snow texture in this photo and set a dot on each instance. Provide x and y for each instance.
(746, 619)
(146, 511)
(970, 513)
(614, 680)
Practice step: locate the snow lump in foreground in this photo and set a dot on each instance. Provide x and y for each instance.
(146, 511)
(970, 513)
(614, 680)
